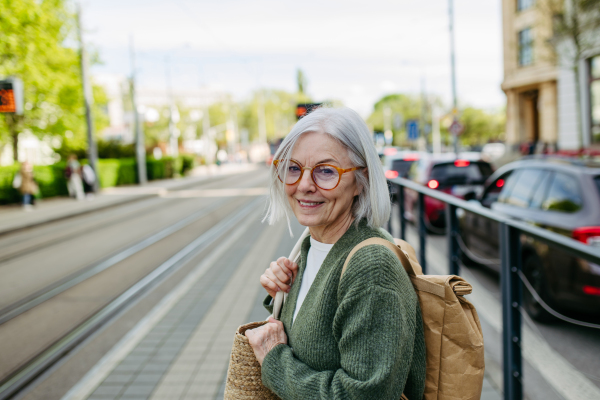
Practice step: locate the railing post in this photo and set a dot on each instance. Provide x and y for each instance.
(453, 249)
(422, 233)
(401, 211)
(510, 253)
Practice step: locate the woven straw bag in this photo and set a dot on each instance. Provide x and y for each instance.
(244, 375)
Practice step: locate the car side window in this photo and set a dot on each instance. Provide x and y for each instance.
(522, 191)
(509, 183)
(540, 191)
(563, 194)
(493, 191)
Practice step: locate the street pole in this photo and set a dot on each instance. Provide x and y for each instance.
(140, 148)
(173, 148)
(88, 100)
(453, 71)
(262, 123)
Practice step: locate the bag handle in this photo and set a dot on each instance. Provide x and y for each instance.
(280, 297)
(411, 269)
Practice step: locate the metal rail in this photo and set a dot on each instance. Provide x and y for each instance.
(510, 231)
(26, 374)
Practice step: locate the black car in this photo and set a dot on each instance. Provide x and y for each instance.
(562, 195)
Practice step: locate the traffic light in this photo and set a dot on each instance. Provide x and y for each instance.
(305, 108)
(11, 96)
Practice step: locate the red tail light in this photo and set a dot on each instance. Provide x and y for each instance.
(462, 163)
(500, 183)
(595, 291)
(390, 151)
(411, 157)
(588, 235)
(433, 184)
(391, 174)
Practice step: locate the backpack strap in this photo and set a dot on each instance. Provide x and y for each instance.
(403, 256)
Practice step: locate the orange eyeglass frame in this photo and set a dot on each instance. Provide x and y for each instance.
(339, 170)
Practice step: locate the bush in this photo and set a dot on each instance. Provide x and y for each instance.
(114, 172)
(111, 172)
(115, 149)
(188, 162)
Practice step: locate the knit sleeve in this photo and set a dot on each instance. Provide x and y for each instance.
(268, 304)
(374, 326)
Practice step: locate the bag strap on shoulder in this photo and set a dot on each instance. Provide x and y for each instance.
(412, 268)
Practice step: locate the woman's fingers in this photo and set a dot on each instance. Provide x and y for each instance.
(279, 278)
(270, 286)
(291, 266)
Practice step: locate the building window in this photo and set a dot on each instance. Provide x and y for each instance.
(595, 98)
(526, 47)
(524, 4)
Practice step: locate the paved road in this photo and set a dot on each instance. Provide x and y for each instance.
(561, 360)
(38, 259)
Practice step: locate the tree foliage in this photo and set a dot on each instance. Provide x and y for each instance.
(34, 47)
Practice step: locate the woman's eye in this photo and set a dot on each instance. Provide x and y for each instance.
(327, 171)
(293, 168)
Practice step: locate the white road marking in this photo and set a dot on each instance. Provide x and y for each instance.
(215, 193)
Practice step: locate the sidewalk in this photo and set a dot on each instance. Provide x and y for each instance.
(13, 217)
(181, 349)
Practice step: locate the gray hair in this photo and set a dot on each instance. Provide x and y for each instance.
(348, 128)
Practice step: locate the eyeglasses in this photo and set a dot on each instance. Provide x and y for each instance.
(325, 176)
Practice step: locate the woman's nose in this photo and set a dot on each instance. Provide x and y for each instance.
(306, 183)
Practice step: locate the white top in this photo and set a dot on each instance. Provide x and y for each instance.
(316, 254)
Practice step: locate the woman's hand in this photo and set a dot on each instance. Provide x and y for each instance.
(264, 338)
(279, 276)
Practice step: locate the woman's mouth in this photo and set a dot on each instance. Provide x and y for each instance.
(309, 204)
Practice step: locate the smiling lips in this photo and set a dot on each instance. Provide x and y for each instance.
(309, 204)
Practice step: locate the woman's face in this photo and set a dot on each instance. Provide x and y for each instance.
(313, 206)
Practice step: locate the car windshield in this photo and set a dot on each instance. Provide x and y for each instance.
(401, 166)
(461, 173)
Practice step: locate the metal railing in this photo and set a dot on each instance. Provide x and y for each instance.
(510, 231)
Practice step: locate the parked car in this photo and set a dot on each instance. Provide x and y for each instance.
(561, 195)
(397, 165)
(457, 175)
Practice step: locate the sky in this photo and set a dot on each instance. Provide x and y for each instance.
(353, 51)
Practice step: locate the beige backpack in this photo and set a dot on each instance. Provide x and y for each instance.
(453, 336)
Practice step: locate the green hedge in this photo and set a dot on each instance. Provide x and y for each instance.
(112, 172)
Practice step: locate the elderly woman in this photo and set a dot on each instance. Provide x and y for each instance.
(359, 336)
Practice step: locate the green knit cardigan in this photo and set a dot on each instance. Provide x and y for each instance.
(358, 338)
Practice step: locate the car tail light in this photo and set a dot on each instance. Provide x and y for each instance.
(390, 151)
(391, 174)
(500, 183)
(462, 163)
(411, 157)
(433, 184)
(593, 290)
(588, 235)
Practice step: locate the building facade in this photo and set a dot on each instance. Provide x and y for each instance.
(540, 85)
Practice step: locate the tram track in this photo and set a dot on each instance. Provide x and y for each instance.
(20, 378)
(11, 250)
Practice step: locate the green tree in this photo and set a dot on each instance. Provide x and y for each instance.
(406, 106)
(33, 47)
(481, 126)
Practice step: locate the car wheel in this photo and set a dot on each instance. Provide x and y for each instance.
(534, 272)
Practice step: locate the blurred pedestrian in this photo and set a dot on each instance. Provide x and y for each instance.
(26, 185)
(89, 179)
(73, 175)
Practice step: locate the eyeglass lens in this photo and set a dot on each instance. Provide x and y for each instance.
(324, 176)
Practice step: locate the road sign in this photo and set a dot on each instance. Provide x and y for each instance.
(456, 128)
(11, 96)
(412, 128)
